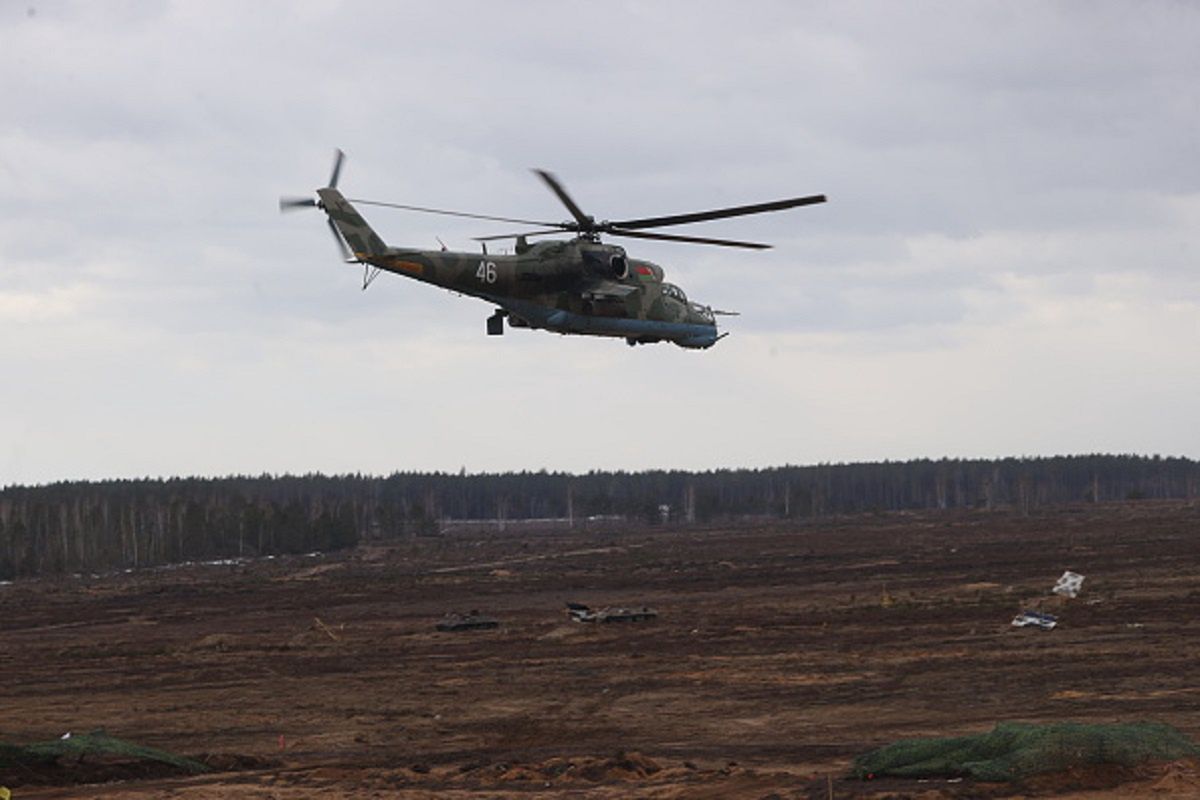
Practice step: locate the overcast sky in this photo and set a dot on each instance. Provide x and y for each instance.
(1007, 264)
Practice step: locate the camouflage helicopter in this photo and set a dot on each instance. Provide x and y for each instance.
(580, 286)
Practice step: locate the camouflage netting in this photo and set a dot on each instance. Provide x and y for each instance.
(1016, 750)
(79, 746)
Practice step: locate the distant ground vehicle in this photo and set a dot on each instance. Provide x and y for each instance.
(578, 612)
(1035, 618)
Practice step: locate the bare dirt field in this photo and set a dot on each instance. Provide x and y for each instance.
(780, 652)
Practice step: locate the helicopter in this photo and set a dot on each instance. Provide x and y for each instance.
(581, 286)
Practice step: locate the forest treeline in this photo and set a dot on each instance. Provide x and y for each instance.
(95, 526)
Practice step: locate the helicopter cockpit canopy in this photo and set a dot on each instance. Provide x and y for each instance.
(674, 292)
(704, 312)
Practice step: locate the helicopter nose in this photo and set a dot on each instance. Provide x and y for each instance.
(700, 341)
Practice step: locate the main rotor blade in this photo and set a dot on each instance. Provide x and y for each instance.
(338, 157)
(719, 213)
(424, 210)
(494, 237)
(585, 222)
(668, 237)
(293, 203)
(341, 243)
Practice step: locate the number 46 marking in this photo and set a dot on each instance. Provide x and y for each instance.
(486, 272)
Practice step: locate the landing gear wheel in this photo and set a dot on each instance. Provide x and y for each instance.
(495, 324)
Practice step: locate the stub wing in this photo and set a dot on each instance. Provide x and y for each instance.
(607, 290)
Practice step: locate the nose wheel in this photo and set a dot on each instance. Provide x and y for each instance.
(495, 324)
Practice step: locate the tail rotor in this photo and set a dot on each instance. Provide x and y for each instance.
(338, 158)
(293, 203)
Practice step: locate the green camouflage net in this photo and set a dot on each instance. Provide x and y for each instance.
(80, 745)
(1016, 750)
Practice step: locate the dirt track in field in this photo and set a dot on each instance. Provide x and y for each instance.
(781, 651)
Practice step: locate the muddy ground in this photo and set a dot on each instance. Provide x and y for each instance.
(780, 652)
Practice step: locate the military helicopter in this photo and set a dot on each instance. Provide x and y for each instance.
(580, 286)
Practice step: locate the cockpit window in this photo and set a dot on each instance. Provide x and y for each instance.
(674, 292)
(704, 311)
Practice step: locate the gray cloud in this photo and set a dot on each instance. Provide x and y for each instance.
(1006, 264)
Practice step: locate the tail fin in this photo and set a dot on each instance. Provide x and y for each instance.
(363, 241)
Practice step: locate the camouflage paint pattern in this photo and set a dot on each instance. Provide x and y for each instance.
(578, 286)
